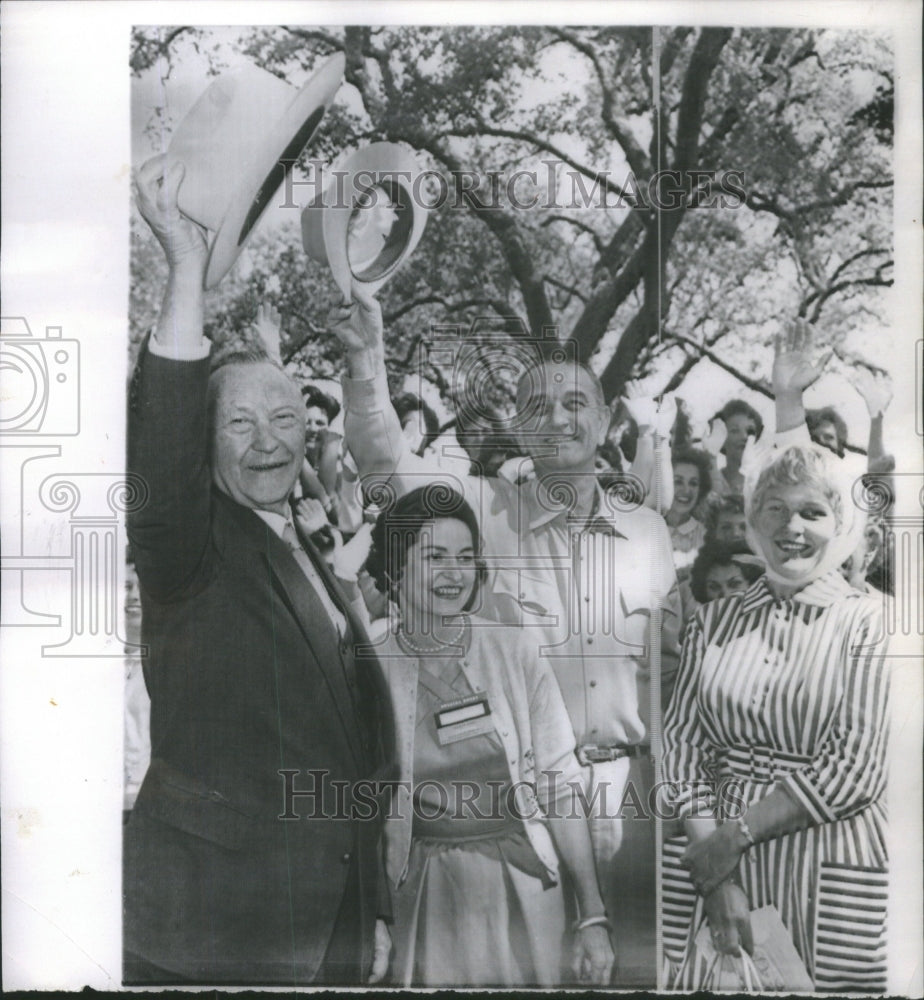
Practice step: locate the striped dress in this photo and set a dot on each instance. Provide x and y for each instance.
(790, 692)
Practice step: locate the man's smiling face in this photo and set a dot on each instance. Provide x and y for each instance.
(258, 435)
(571, 420)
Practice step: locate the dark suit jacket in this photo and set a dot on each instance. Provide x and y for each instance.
(247, 677)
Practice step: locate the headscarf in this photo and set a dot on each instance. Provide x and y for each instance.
(759, 456)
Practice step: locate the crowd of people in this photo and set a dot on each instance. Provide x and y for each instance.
(487, 639)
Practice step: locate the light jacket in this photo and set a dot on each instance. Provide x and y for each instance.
(529, 718)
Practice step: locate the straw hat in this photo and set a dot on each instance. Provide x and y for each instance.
(237, 143)
(368, 221)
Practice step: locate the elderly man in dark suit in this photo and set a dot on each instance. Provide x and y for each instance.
(251, 674)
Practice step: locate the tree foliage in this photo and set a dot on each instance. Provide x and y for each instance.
(802, 117)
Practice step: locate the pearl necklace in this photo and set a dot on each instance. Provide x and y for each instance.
(405, 639)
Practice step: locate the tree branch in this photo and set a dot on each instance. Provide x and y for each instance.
(565, 287)
(761, 202)
(502, 308)
(315, 35)
(758, 385)
(635, 155)
(507, 233)
(522, 135)
(648, 261)
(876, 281)
(139, 62)
(583, 226)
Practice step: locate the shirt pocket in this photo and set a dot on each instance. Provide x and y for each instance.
(532, 595)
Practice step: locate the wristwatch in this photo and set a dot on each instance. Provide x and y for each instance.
(742, 825)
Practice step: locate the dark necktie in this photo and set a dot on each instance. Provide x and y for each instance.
(290, 537)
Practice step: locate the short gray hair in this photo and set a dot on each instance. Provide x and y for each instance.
(597, 385)
(239, 356)
(800, 465)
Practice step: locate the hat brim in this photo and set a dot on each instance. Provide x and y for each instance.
(266, 173)
(325, 227)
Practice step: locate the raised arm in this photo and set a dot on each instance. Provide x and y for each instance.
(877, 394)
(793, 373)
(652, 462)
(179, 326)
(167, 425)
(371, 426)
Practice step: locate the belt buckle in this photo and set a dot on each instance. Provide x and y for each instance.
(591, 753)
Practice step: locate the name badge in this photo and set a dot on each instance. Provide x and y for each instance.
(463, 718)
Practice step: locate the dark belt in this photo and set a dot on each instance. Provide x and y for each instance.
(600, 753)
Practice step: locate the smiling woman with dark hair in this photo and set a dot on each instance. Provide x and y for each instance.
(692, 483)
(828, 429)
(485, 751)
(321, 409)
(741, 422)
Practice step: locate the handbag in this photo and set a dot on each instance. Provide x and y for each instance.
(775, 966)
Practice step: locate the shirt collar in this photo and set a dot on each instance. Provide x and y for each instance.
(276, 521)
(820, 593)
(540, 514)
(687, 528)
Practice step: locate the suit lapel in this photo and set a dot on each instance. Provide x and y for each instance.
(367, 671)
(334, 588)
(306, 608)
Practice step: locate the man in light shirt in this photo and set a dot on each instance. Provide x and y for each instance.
(589, 574)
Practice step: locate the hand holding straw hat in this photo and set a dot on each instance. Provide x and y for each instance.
(237, 144)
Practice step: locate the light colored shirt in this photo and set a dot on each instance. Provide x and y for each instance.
(586, 598)
(686, 540)
(177, 352)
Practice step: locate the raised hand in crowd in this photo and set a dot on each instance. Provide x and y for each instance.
(310, 515)
(647, 412)
(654, 421)
(876, 392)
(713, 440)
(312, 518)
(793, 373)
(350, 557)
(268, 324)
